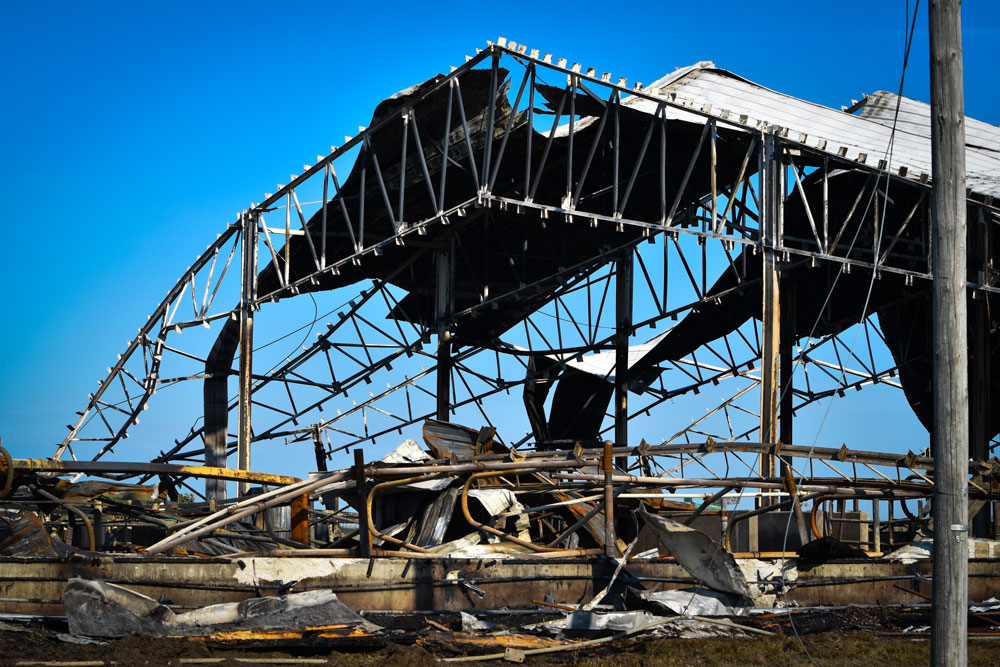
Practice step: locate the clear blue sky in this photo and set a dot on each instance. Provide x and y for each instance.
(131, 133)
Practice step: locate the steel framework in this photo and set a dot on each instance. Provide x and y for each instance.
(604, 251)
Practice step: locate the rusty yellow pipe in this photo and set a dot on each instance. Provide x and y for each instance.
(499, 533)
(818, 504)
(368, 508)
(134, 469)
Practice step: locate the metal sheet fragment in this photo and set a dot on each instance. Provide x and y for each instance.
(703, 557)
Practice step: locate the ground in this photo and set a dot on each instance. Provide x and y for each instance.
(863, 638)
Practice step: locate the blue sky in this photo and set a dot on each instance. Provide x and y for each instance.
(132, 133)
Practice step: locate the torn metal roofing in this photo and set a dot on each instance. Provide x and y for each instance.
(915, 118)
(865, 138)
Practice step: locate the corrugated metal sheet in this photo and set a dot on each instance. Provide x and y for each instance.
(722, 94)
(915, 118)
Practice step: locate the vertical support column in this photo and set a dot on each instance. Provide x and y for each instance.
(248, 295)
(979, 358)
(623, 324)
(771, 190)
(786, 418)
(364, 530)
(786, 358)
(443, 307)
(950, 437)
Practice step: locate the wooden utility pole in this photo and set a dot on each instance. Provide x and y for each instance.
(949, 630)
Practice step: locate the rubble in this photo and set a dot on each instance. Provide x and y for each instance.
(101, 609)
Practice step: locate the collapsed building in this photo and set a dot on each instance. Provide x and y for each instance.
(518, 224)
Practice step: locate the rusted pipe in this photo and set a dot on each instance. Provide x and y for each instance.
(582, 520)
(708, 501)
(818, 505)
(83, 517)
(286, 494)
(493, 466)
(876, 489)
(378, 488)
(760, 510)
(797, 505)
(490, 529)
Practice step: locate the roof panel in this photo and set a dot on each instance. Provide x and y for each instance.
(706, 88)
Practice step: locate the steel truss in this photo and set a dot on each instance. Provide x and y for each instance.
(617, 209)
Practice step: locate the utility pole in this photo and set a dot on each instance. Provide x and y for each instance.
(949, 630)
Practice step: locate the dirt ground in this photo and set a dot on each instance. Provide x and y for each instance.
(883, 643)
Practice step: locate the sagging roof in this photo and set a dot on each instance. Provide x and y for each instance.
(708, 89)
